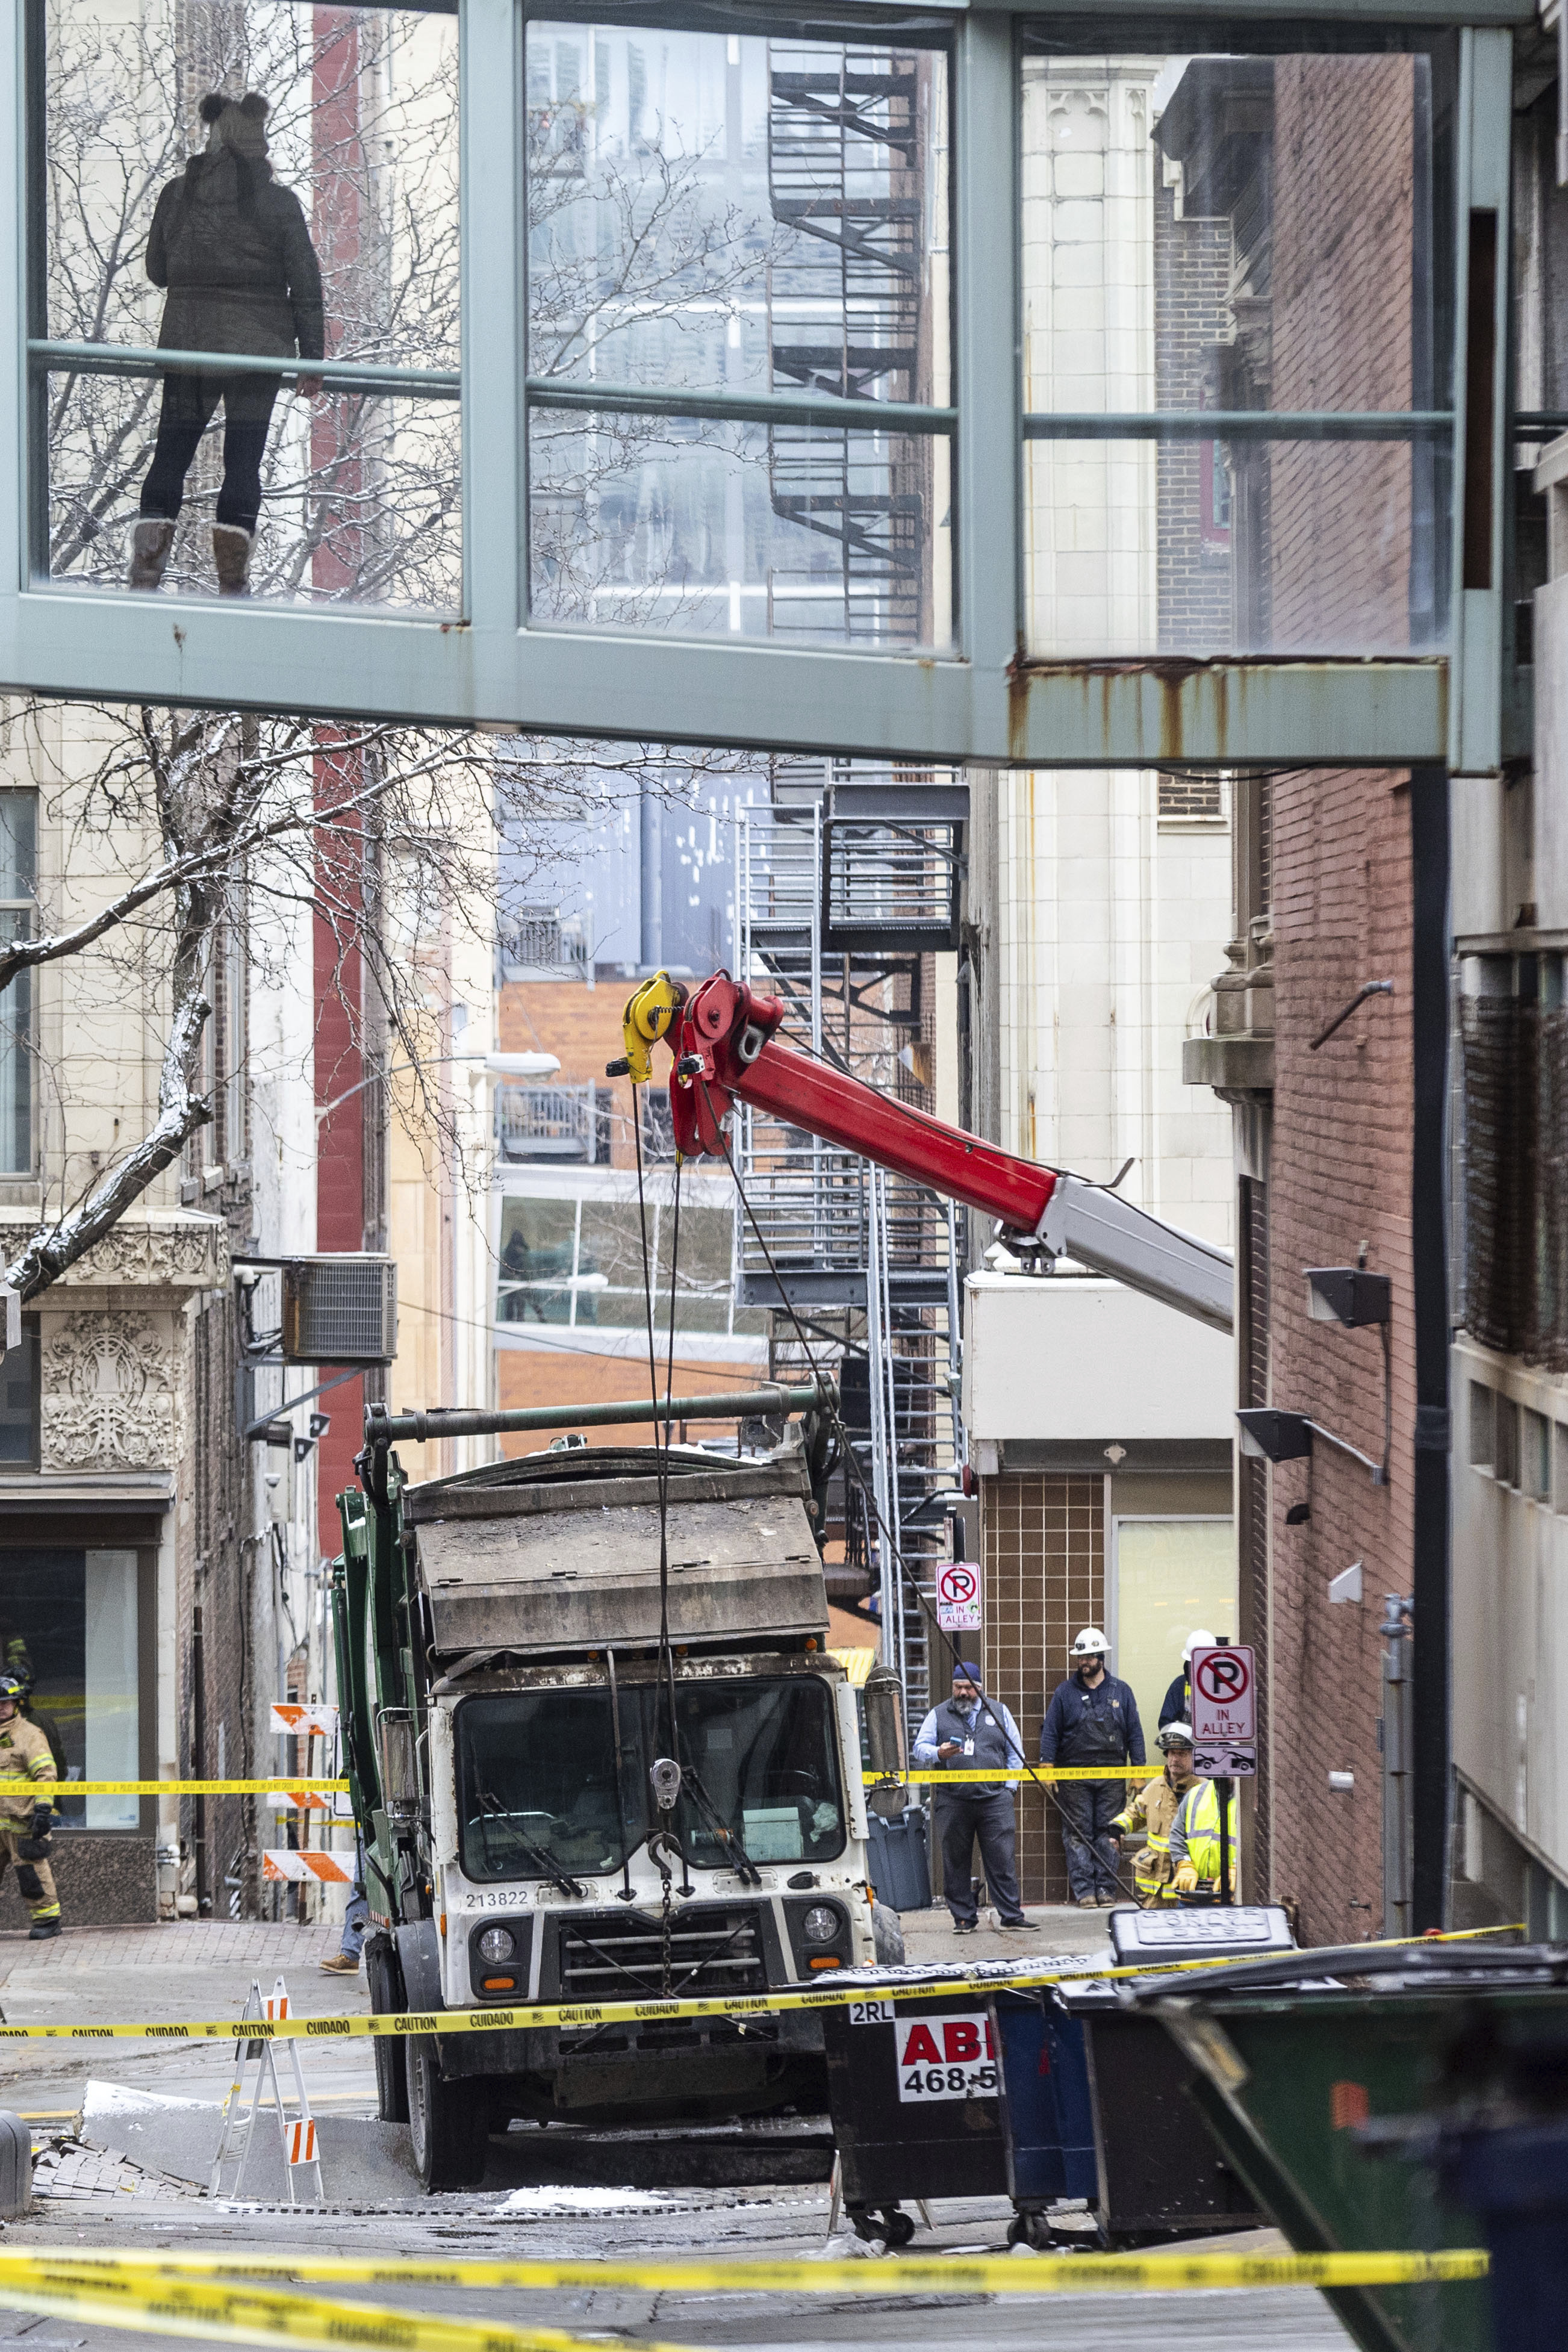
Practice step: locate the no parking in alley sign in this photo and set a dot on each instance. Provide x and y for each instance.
(1225, 1711)
(958, 1597)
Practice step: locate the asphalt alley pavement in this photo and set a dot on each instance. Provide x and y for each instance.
(204, 1969)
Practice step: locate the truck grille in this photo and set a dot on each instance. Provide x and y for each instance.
(617, 1959)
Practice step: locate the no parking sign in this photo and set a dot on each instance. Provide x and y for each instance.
(1225, 1711)
(958, 1597)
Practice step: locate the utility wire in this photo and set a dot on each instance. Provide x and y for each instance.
(868, 1496)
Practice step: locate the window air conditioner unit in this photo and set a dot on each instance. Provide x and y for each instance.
(340, 1310)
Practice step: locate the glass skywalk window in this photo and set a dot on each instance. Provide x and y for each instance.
(715, 220)
(244, 302)
(1263, 241)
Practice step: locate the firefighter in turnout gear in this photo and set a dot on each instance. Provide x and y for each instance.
(1194, 1846)
(27, 1812)
(1152, 1810)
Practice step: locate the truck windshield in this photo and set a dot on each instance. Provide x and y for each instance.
(536, 1776)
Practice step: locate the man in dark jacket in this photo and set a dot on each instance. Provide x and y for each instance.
(1092, 1720)
(235, 253)
(1176, 1706)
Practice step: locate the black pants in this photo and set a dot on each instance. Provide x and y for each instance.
(960, 1820)
(190, 402)
(1088, 1808)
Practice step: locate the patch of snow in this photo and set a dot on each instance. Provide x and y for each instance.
(580, 2200)
(114, 2099)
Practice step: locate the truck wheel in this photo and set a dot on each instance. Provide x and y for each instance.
(888, 1932)
(384, 1979)
(448, 2123)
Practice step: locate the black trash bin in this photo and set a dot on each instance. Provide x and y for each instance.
(913, 2089)
(1159, 2172)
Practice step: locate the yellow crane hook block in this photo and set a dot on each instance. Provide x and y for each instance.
(645, 1018)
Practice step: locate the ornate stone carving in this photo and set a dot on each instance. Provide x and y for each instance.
(109, 1395)
(184, 1254)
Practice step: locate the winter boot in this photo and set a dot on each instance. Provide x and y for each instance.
(151, 544)
(231, 553)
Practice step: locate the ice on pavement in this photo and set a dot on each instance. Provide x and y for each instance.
(546, 2199)
(113, 2099)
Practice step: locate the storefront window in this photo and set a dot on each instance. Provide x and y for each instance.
(68, 1622)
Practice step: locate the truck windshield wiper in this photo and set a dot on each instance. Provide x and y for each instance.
(548, 1864)
(747, 1869)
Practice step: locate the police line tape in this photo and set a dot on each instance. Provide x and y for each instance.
(938, 1778)
(912, 2274)
(875, 1997)
(300, 1784)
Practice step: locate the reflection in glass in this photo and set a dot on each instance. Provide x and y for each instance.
(727, 213)
(536, 1776)
(265, 181)
(1241, 234)
(68, 1630)
(18, 871)
(698, 527)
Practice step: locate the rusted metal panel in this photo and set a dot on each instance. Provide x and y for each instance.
(1161, 707)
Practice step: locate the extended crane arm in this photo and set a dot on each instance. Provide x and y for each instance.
(725, 1039)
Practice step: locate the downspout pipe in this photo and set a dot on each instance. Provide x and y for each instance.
(1431, 1581)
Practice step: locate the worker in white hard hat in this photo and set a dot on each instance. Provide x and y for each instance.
(1092, 1721)
(1152, 1810)
(1176, 1706)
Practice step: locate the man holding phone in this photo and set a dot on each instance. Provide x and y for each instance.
(965, 1733)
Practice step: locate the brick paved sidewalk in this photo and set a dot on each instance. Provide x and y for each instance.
(184, 1943)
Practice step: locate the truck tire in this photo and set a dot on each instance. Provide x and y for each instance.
(384, 1979)
(888, 1931)
(448, 2123)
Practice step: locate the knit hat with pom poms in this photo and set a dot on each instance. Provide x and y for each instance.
(237, 123)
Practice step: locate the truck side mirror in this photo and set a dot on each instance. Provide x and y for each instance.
(883, 1698)
(399, 1750)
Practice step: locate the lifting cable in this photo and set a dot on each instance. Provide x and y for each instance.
(853, 1462)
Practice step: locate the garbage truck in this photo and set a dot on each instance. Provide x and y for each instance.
(598, 1752)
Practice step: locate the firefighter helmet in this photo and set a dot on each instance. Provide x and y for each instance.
(1092, 1643)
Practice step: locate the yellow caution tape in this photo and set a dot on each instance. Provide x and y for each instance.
(136, 2272)
(582, 2015)
(937, 1777)
(300, 1784)
(217, 2310)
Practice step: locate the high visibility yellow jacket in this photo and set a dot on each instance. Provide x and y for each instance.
(1152, 1810)
(1194, 1834)
(25, 1763)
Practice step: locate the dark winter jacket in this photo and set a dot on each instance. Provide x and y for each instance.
(234, 250)
(1176, 1706)
(1092, 1726)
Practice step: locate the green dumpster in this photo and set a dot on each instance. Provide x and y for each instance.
(1288, 2074)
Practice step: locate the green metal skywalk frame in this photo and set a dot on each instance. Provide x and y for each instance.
(984, 700)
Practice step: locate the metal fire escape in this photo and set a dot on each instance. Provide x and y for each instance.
(835, 911)
(846, 175)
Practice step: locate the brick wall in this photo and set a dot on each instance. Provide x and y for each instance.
(1192, 267)
(582, 1027)
(1042, 1544)
(550, 1376)
(1340, 1177)
(1340, 1165)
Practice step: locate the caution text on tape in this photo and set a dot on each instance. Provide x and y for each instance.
(298, 1785)
(916, 2274)
(936, 1778)
(575, 2017)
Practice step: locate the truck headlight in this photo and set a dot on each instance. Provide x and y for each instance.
(497, 1944)
(820, 1925)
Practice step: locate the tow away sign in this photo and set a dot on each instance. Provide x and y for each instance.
(1225, 1711)
(946, 2057)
